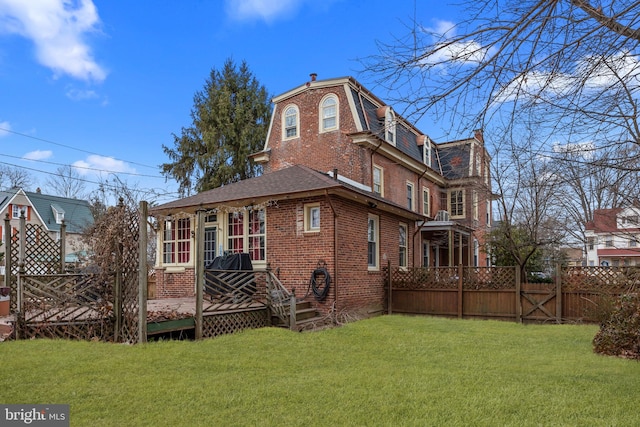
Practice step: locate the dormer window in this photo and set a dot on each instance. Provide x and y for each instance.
(58, 213)
(329, 113)
(291, 122)
(390, 126)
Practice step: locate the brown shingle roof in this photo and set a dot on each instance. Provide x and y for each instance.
(279, 184)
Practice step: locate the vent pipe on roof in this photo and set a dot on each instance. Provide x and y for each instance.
(335, 173)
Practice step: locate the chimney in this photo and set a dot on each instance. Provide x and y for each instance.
(38, 190)
(335, 174)
(313, 76)
(479, 135)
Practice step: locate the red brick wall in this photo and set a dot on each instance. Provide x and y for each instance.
(320, 151)
(175, 285)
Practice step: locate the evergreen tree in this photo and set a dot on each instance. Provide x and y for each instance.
(230, 120)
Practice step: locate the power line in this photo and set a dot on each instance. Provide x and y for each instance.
(72, 148)
(84, 167)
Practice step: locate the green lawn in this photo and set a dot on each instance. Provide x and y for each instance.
(390, 371)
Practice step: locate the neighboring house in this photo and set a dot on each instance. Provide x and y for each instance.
(48, 211)
(347, 183)
(613, 237)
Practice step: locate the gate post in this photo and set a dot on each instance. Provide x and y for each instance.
(8, 267)
(460, 290)
(518, 296)
(199, 272)
(63, 247)
(558, 281)
(142, 273)
(389, 296)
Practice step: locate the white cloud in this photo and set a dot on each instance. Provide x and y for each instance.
(81, 95)
(448, 50)
(38, 155)
(585, 150)
(266, 10)
(57, 28)
(101, 165)
(4, 127)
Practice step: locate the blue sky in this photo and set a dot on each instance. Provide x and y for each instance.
(103, 84)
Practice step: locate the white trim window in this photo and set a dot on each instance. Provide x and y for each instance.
(378, 180)
(402, 246)
(410, 196)
(426, 201)
(17, 210)
(312, 217)
(290, 122)
(456, 203)
(329, 113)
(474, 196)
(176, 241)
(257, 235)
(373, 237)
(390, 126)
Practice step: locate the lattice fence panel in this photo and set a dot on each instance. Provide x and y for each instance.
(42, 255)
(425, 278)
(489, 278)
(63, 306)
(228, 323)
(129, 267)
(600, 279)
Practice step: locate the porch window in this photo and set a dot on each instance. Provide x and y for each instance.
(372, 242)
(235, 233)
(402, 249)
(425, 253)
(176, 242)
(257, 235)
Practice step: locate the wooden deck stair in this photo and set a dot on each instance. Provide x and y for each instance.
(307, 317)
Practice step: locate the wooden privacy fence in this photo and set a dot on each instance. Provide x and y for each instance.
(577, 294)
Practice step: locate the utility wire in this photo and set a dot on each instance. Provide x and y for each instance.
(72, 148)
(84, 167)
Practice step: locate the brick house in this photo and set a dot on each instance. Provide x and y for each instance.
(613, 237)
(347, 183)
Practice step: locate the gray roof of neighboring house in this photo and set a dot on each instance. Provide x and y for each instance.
(292, 182)
(77, 213)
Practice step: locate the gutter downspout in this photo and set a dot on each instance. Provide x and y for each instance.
(335, 248)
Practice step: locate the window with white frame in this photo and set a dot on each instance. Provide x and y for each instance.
(373, 237)
(17, 210)
(474, 196)
(426, 247)
(402, 245)
(291, 122)
(633, 241)
(591, 243)
(329, 113)
(176, 241)
(426, 152)
(410, 196)
(378, 180)
(235, 232)
(456, 203)
(257, 235)
(312, 217)
(608, 241)
(426, 202)
(488, 213)
(390, 126)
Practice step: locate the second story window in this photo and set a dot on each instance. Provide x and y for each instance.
(291, 122)
(456, 203)
(329, 114)
(377, 180)
(426, 203)
(17, 210)
(410, 205)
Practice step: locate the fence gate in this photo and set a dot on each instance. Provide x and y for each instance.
(541, 302)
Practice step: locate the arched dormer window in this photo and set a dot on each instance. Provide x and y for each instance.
(388, 119)
(329, 113)
(290, 122)
(390, 126)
